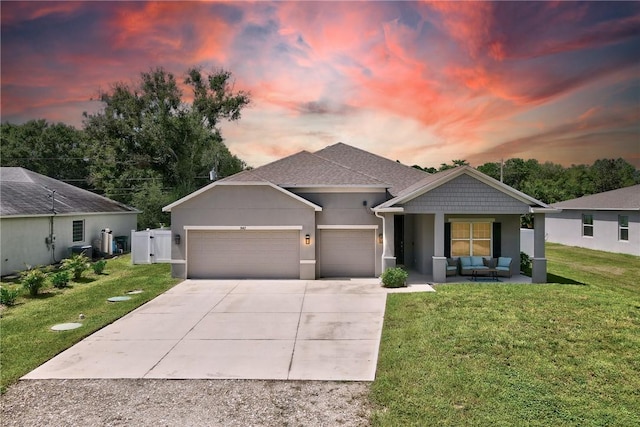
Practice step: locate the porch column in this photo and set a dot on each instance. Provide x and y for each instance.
(439, 259)
(388, 248)
(539, 262)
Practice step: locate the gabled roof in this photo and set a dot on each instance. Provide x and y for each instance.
(305, 169)
(228, 183)
(437, 179)
(622, 199)
(396, 175)
(26, 193)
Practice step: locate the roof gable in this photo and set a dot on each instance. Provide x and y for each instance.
(435, 181)
(26, 193)
(627, 198)
(195, 194)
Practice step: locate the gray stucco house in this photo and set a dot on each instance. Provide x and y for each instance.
(41, 218)
(608, 221)
(345, 212)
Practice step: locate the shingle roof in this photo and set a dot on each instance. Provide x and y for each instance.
(23, 192)
(307, 169)
(397, 175)
(627, 198)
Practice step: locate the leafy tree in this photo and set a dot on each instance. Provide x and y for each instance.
(152, 146)
(55, 150)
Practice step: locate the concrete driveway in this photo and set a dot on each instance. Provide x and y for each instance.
(238, 329)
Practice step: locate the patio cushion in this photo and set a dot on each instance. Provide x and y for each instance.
(477, 261)
(465, 261)
(504, 262)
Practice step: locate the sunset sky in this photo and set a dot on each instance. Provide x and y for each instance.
(420, 82)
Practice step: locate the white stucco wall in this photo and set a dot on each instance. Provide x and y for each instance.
(22, 240)
(566, 228)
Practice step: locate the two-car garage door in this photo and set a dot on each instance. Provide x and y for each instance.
(244, 254)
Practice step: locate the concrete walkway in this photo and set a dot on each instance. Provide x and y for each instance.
(238, 329)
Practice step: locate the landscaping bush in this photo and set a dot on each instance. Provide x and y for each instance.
(60, 279)
(98, 266)
(394, 277)
(32, 280)
(77, 264)
(8, 296)
(525, 263)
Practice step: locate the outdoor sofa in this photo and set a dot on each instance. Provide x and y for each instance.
(467, 264)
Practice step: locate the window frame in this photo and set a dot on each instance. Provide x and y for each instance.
(587, 226)
(623, 228)
(73, 230)
(471, 239)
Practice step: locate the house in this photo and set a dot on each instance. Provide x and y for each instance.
(41, 218)
(608, 221)
(345, 212)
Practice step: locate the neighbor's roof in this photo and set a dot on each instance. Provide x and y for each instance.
(622, 199)
(26, 193)
(337, 165)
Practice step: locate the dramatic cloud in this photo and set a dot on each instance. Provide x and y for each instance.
(421, 82)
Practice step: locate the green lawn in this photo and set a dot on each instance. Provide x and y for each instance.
(504, 355)
(26, 340)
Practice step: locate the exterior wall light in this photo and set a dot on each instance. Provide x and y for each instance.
(176, 238)
(307, 239)
(380, 238)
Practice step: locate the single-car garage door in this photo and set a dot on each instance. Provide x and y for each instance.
(347, 253)
(245, 254)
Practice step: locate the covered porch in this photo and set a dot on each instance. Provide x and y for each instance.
(417, 278)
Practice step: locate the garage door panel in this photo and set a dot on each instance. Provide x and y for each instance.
(244, 254)
(347, 253)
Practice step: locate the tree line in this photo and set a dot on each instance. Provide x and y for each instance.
(550, 182)
(148, 146)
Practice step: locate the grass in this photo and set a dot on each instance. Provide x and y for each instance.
(564, 354)
(26, 340)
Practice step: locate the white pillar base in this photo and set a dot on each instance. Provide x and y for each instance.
(539, 270)
(439, 269)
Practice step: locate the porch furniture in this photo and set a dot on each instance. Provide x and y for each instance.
(470, 263)
(452, 267)
(504, 266)
(490, 273)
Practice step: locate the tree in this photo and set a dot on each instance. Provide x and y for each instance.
(152, 146)
(55, 150)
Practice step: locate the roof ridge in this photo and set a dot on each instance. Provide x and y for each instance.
(348, 168)
(372, 154)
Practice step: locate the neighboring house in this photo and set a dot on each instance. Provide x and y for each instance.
(608, 221)
(345, 212)
(41, 218)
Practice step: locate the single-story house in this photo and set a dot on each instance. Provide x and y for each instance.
(608, 221)
(41, 218)
(345, 212)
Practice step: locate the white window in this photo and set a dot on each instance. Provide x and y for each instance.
(471, 238)
(77, 231)
(623, 227)
(587, 225)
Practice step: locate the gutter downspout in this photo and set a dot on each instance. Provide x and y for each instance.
(384, 239)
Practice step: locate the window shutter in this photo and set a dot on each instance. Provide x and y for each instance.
(447, 239)
(497, 240)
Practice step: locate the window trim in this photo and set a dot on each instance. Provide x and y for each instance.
(73, 235)
(622, 228)
(585, 225)
(471, 238)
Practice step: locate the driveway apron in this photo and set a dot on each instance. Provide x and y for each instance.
(238, 329)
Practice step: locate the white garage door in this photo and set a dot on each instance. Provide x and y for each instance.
(246, 254)
(347, 253)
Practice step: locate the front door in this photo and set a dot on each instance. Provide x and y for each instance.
(398, 232)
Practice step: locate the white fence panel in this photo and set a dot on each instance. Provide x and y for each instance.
(526, 241)
(150, 246)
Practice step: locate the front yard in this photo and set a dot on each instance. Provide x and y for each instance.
(26, 340)
(499, 354)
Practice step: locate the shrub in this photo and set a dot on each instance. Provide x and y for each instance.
(8, 296)
(32, 280)
(98, 266)
(77, 264)
(525, 263)
(394, 277)
(60, 279)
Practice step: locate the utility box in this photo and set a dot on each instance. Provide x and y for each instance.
(86, 250)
